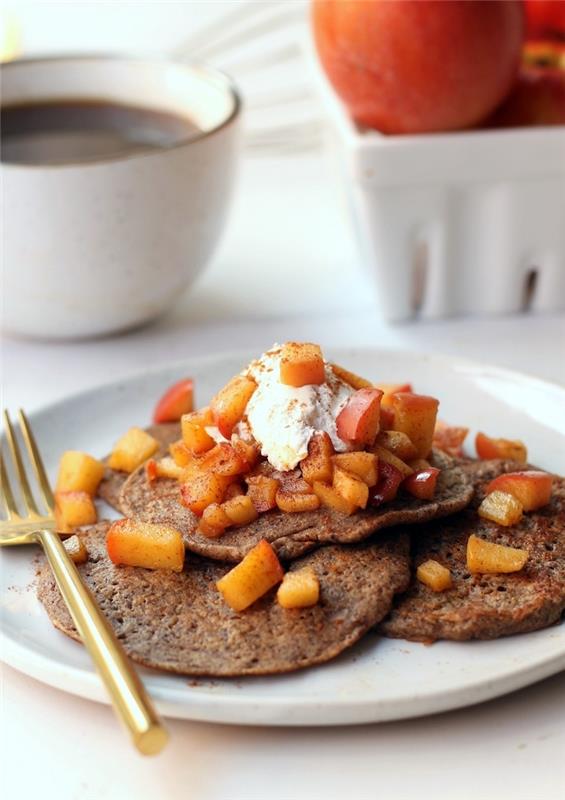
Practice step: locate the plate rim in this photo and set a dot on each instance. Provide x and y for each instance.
(215, 707)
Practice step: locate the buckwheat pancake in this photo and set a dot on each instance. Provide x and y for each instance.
(292, 535)
(113, 481)
(179, 622)
(486, 606)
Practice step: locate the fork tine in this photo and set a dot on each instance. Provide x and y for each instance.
(27, 496)
(37, 463)
(6, 495)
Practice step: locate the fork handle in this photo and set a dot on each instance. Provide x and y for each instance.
(126, 690)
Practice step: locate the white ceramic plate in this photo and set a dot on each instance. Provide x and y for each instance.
(377, 680)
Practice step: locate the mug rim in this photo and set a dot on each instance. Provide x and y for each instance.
(227, 85)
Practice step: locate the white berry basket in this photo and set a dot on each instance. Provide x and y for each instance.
(457, 223)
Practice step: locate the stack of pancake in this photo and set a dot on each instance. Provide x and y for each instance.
(365, 565)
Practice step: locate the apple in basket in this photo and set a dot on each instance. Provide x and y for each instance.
(545, 19)
(538, 98)
(419, 65)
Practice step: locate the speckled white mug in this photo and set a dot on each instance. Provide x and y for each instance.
(103, 245)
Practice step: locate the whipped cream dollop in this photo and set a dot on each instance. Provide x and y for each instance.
(283, 418)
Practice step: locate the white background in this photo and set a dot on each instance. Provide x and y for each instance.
(287, 267)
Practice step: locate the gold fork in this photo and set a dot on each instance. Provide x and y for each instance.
(126, 691)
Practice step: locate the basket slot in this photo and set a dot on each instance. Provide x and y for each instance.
(550, 287)
(530, 286)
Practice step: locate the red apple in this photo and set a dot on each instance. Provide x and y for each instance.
(387, 486)
(545, 18)
(419, 65)
(177, 400)
(531, 487)
(422, 484)
(358, 422)
(415, 415)
(538, 97)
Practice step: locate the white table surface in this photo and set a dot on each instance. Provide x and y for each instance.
(287, 268)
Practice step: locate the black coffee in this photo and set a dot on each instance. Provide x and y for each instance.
(83, 130)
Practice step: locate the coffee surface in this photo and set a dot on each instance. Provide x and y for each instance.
(84, 130)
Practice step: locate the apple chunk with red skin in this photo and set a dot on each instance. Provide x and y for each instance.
(177, 400)
(358, 421)
(415, 415)
(228, 406)
(422, 484)
(532, 488)
(387, 486)
(511, 449)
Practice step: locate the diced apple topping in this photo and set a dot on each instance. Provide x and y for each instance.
(202, 490)
(151, 470)
(386, 457)
(177, 400)
(259, 571)
(240, 510)
(223, 460)
(489, 557)
(299, 589)
(214, 521)
(166, 468)
(263, 492)
(73, 509)
(247, 451)
(415, 415)
(502, 508)
(317, 466)
(182, 455)
(129, 452)
(434, 575)
(512, 450)
(144, 544)
(386, 422)
(449, 438)
(330, 498)
(76, 548)
(358, 421)
(387, 486)
(351, 487)
(360, 463)
(163, 468)
(193, 470)
(422, 484)
(398, 444)
(293, 503)
(388, 389)
(531, 488)
(235, 489)
(301, 364)
(79, 472)
(195, 437)
(228, 406)
(355, 381)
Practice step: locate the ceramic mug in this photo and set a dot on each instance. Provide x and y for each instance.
(98, 246)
